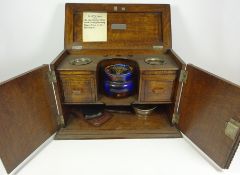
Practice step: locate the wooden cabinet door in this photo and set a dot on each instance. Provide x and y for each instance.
(27, 115)
(210, 114)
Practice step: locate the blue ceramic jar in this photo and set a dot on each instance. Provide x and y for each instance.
(118, 80)
(118, 89)
(118, 72)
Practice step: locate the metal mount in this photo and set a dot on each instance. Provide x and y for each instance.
(61, 121)
(175, 118)
(52, 77)
(157, 47)
(232, 128)
(183, 76)
(79, 47)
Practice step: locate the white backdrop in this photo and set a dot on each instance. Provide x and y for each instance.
(205, 33)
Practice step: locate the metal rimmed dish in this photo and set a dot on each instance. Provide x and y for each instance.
(143, 110)
(155, 61)
(80, 61)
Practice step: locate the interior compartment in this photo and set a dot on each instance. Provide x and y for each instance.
(160, 81)
(161, 89)
(121, 125)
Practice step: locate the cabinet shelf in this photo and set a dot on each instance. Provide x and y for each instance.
(120, 126)
(109, 101)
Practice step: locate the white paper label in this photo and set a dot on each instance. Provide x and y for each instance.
(94, 27)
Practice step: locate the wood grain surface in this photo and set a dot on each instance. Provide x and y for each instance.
(147, 77)
(27, 115)
(207, 103)
(78, 88)
(119, 126)
(147, 25)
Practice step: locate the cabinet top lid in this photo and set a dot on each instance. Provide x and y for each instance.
(117, 26)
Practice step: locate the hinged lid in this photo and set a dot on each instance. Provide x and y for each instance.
(28, 115)
(128, 26)
(210, 114)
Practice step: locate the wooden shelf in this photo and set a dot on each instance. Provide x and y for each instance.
(109, 101)
(90, 103)
(153, 102)
(120, 126)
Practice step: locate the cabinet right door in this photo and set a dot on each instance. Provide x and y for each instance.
(210, 114)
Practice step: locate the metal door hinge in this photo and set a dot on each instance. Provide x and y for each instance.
(175, 118)
(79, 47)
(157, 47)
(232, 128)
(52, 77)
(61, 121)
(183, 76)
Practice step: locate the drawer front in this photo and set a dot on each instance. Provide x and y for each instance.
(157, 91)
(78, 89)
(160, 72)
(157, 88)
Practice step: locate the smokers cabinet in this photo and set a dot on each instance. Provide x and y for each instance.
(50, 98)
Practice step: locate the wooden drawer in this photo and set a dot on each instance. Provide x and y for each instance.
(78, 88)
(160, 72)
(157, 88)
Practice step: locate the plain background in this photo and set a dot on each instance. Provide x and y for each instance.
(204, 32)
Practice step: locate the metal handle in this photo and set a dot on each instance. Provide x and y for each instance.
(157, 90)
(77, 92)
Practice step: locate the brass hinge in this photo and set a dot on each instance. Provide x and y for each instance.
(175, 118)
(79, 47)
(183, 76)
(232, 128)
(52, 77)
(61, 120)
(157, 47)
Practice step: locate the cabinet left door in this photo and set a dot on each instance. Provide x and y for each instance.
(28, 115)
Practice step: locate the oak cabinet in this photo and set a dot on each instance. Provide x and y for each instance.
(50, 98)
